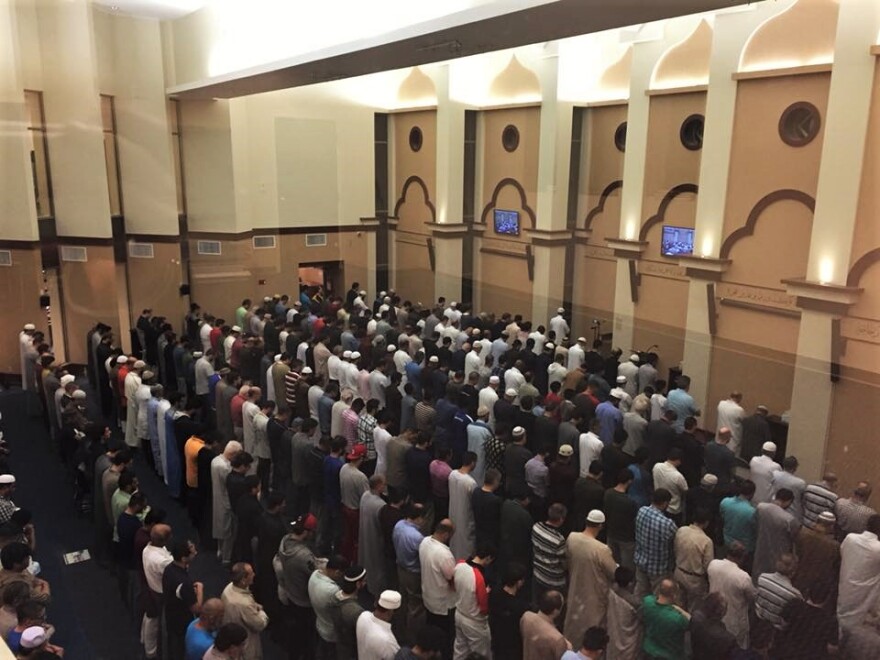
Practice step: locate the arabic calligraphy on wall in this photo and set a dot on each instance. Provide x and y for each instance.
(758, 295)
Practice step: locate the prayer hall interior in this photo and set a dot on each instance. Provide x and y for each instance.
(669, 205)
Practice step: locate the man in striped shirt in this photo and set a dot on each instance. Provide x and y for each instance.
(775, 591)
(291, 378)
(853, 512)
(818, 498)
(548, 545)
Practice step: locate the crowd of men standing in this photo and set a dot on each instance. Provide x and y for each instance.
(391, 481)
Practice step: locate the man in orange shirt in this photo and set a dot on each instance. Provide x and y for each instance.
(195, 490)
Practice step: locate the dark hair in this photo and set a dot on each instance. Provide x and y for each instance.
(397, 494)
(784, 495)
(126, 479)
(624, 476)
(136, 500)
(485, 549)
(624, 576)
(241, 459)
(431, 639)
(30, 609)
(469, 458)
(550, 601)
(492, 477)
(229, 635)
(181, 549)
(557, 512)
(414, 510)
(747, 487)
(121, 457)
(16, 592)
(661, 496)
(14, 553)
(595, 639)
(596, 468)
(338, 444)
(513, 573)
(251, 481)
(702, 516)
(674, 454)
(276, 498)
(155, 516)
(337, 563)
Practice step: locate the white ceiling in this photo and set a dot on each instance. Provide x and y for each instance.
(161, 9)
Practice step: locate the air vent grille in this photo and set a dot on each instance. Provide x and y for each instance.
(74, 253)
(212, 248)
(264, 242)
(316, 240)
(141, 250)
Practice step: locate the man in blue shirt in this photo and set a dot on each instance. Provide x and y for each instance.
(654, 535)
(682, 403)
(406, 538)
(609, 416)
(739, 517)
(331, 527)
(201, 632)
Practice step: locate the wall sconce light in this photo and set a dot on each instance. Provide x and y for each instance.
(826, 270)
(630, 231)
(706, 249)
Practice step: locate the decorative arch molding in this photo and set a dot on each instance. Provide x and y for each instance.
(417, 180)
(680, 189)
(523, 201)
(763, 204)
(600, 207)
(861, 266)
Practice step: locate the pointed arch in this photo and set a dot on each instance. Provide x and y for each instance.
(763, 204)
(417, 180)
(523, 202)
(680, 189)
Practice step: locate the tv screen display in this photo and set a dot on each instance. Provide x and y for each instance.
(677, 241)
(507, 222)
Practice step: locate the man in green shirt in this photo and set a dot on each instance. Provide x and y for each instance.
(665, 624)
(740, 517)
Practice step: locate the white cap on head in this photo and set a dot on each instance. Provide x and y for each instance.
(617, 393)
(121, 359)
(634, 358)
(306, 371)
(769, 446)
(566, 450)
(453, 304)
(621, 379)
(30, 326)
(356, 355)
(235, 328)
(389, 600)
(560, 310)
(33, 637)
(197, 354)
(67, 379)
(382, 294)
(510, 392)
(278, 357)
(475, 332)
(582, 340)
(362, 292)
(494, 380)
(433, 359)
(148, 375)
(482, 411)
(549, 346)
(391, 348)
(421, 323)
(346, 355)
(79, 394)
(596, 516)
(267, 299)
(6, 479)
(518, 431)
(709, 479)
(140, 364)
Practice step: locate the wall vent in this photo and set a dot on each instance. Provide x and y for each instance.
(209, 247)
(5, 257)
(74, 253)
(141, 250)
(264, 242)
(316, 240)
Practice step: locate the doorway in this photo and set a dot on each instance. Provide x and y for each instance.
(328, 275)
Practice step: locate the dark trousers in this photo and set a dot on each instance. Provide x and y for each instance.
(264, 469)
(301, 640)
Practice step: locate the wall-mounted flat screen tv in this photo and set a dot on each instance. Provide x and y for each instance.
(507, 222)
(677, 241)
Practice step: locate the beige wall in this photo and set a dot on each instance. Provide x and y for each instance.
(154, 284)
(19, 289)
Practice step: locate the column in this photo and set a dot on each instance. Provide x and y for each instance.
(837, 197)
(551, 234)
(450, 228)
(731, 33)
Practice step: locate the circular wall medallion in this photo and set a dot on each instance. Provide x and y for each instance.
(415, 138)
(691, 133)
(510, 137)
(620, 137)
(799, 124)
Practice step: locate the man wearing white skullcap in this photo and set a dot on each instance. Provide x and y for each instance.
(559, 326)
(25, 343)
(576, 353)
(375, 641)
(487, 398)
(591, 574)
(761, 469)
(130, 385)
(630, 370)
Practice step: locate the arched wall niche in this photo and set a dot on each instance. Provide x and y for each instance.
(687, 62)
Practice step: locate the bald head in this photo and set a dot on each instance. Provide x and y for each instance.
(160, 535)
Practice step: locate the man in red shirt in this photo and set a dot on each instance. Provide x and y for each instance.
(235, 412)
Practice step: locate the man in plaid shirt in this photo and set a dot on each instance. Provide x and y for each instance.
(654, 537)
(366, 424)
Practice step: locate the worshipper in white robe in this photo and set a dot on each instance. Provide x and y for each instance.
(25, 341)
(221, 516)
(859, 590)
(624, 621)
(730, 415)
(461, 485)
(371, 543)
(142, 398)
(761, 469)
(156, 398)
(163, 407)
(270, 382)
(131, 384)
(728, 578)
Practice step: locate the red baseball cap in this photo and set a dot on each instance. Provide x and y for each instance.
(358, 451)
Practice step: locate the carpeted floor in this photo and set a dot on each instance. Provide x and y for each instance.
(91, 621)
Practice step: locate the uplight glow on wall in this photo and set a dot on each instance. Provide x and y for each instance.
(826, 270)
